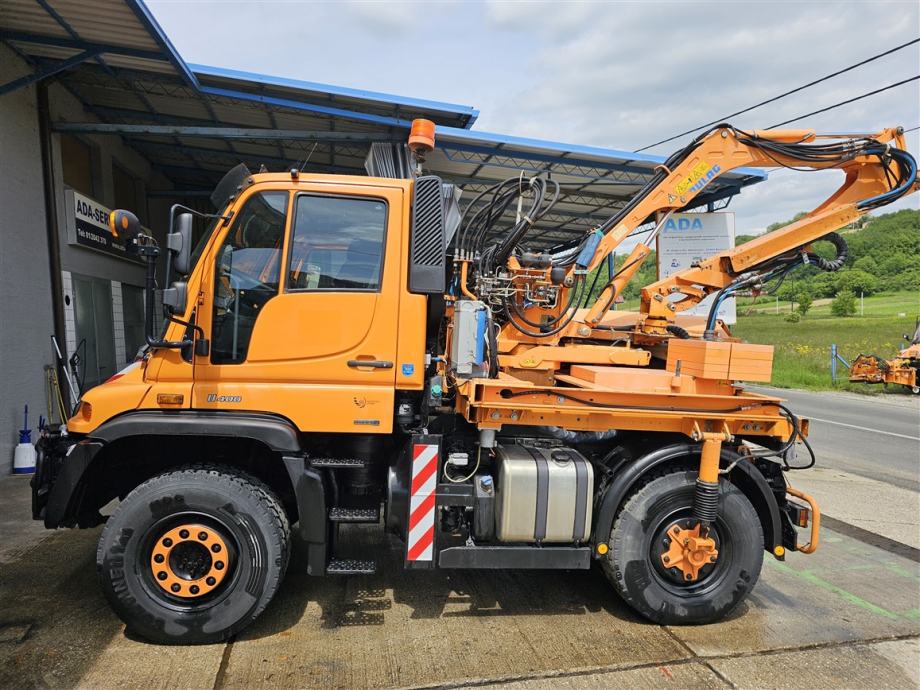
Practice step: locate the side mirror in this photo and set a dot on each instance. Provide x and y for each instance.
(124, 225)
(175, 297)
(179, 243)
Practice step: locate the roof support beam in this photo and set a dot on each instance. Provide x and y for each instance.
(217, 132)
(308, 107)
(49, 71)
(77, 44)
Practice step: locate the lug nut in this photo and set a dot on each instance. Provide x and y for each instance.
(167, 542)
(161, 575)
(219, 565)
(158, 558)
(183, 533)
(175, 587)
(215, 548)
(202, 536)
(210, 581)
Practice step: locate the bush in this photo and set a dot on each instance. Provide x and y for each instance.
(804, 300)
(844, 304)
(792, 318)
(856, 281)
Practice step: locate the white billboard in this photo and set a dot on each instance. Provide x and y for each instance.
(687, 238)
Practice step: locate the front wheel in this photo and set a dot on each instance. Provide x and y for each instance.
(640, 537)
(194, 555)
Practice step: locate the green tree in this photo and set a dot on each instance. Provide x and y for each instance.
(856, 281)
(844, 304)
(804, 300)
(867, 264)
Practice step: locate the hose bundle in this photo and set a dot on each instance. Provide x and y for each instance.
(485, 211)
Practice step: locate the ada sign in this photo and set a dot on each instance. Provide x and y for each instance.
(690, 237)
(88, 225)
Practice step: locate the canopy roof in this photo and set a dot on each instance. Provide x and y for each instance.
(194, 122)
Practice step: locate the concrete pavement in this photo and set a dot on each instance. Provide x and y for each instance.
(847, 616)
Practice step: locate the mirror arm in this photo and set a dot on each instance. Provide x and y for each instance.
(150, 253)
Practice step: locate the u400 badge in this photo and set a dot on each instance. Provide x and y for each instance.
(215, 398)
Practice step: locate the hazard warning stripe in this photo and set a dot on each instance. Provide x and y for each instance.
(420, 540)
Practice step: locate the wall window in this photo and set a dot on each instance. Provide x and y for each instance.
(125, 190)
(337, 244)
(77, 164)
(247, 274)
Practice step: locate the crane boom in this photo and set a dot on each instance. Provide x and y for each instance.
(877, 168)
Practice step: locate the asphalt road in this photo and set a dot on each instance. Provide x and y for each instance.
(877, 437)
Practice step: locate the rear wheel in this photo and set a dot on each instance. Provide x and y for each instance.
(194, 555)
(640, 538)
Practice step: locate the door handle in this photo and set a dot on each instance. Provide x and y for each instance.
(372, 363)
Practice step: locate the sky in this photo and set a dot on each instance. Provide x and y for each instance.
(615, 74)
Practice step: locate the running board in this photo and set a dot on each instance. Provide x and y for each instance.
(337, 463)
(369, 516)
(518, 557)
(350, 566)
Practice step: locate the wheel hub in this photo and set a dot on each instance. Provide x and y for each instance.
(189, 561)
(689, 551)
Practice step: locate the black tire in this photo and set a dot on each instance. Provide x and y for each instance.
(236, 507)
(634, 566)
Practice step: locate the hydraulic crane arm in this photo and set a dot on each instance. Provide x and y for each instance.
(878, 171)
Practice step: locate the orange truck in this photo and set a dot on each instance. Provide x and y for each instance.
(341, 349)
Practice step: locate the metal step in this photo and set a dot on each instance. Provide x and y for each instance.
(365, 515)
(350, 566)
(337, 463)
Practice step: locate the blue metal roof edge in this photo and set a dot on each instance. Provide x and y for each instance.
(625, 156)
(156, 31)
(384, 98)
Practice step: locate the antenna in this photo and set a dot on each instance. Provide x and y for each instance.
(309, 156)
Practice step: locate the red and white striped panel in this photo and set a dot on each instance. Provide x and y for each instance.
(421, 502)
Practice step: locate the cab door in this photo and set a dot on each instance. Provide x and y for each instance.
(304, 301)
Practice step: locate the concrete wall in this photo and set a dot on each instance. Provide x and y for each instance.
(26, 322)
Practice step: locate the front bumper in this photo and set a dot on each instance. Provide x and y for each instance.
(57, 485)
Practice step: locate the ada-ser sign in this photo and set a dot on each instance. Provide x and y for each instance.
(88, 226)
(687, 238)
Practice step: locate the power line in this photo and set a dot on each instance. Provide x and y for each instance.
(783, 95)
(849, 100)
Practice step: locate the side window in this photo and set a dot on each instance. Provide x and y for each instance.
(247, 274)
(337, 244)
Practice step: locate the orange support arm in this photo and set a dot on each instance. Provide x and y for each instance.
(717, 153)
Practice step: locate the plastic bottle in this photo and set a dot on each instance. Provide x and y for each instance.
(24, 455)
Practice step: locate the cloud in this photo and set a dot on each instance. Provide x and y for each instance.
(615, 74)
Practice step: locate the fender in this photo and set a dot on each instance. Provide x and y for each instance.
(311, 510)
(276, 432)
(744, 475)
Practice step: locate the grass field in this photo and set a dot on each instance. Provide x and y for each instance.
(802, 356)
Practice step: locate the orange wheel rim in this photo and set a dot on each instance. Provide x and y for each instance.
(189, 561)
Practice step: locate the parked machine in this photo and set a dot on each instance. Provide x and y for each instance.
(901, 370)
(339, 345)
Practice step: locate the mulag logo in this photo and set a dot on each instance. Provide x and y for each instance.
(215, 398)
